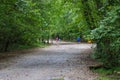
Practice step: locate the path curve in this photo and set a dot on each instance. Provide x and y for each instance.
(64, 60)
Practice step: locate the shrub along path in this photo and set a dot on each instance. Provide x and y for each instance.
(68, 61)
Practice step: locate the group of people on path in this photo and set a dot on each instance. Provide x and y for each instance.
(58, 39)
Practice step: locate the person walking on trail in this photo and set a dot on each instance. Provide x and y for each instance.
(78, 39)
(57, 39)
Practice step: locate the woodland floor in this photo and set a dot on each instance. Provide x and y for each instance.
(65, 60)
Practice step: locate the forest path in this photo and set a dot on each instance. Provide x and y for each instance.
(68, 61)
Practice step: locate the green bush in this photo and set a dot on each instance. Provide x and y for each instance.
(103, 78)
(107, 37)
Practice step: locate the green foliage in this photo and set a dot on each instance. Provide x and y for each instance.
(107, 36)
(107, 74)
(104, 71)
(18, 23)
(103, 78)
(58, 79)
(28, 22)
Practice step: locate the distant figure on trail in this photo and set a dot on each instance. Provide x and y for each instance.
(57, 39)
(78, 39)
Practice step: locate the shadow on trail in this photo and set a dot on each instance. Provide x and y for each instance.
(8, 58)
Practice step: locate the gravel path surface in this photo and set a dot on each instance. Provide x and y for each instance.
(68, 61)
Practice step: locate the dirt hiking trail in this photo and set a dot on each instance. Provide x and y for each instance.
(61, 61)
